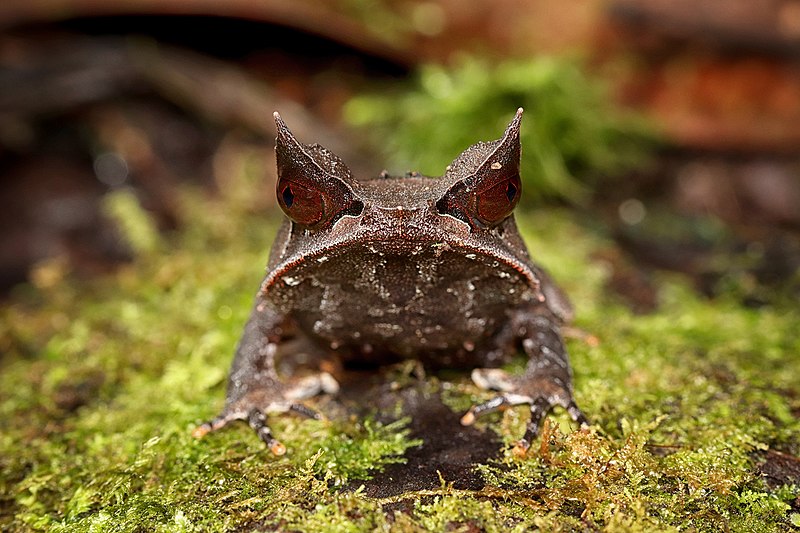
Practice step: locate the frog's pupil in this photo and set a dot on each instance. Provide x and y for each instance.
(511, 192)
(288, 196)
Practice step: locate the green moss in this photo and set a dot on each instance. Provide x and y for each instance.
(102, 382)
(682, 400)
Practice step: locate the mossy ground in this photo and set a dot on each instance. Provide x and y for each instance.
(102, 381)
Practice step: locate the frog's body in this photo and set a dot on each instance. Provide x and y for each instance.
(419, 293)
(394, 268)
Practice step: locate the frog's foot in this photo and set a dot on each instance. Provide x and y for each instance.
(541, 393)
(272, 396)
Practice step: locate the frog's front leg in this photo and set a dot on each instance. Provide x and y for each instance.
(546, 382)
(254, 387)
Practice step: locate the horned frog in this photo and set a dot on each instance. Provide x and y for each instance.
(393, 268)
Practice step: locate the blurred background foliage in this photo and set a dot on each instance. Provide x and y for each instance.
(645, 115)
(662, 169)
(574, 138)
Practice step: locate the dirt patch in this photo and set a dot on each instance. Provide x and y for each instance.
(449, 450)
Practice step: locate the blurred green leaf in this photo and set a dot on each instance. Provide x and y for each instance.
(571, 136)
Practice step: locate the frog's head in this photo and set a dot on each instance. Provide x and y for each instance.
(331, 213)
(413, 228)
(317, 192)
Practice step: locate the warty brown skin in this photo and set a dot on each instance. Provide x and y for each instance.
(393, 268)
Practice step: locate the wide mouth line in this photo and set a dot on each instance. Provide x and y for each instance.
(319, 256)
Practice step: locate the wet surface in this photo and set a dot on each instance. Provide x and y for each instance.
(449, 449)
(779, 468)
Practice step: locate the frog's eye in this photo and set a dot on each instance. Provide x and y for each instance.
(304, 205)
(497, 202)
(314, 204)
(482, 207)
(313, 187)
(485, 194)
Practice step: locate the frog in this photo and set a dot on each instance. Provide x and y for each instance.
(392, 268)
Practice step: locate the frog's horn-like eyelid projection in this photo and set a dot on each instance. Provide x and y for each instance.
(313, 187)
(508, 148)
(486, 187)
(318, 157)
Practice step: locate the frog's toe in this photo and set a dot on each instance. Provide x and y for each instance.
(306, 387)
(273, 397)
(212, 425)
(258, 421)
(492, 379)
(542, 395)
(540, 407)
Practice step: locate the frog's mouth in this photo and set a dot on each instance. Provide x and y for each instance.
(410, 296)
(406, 261)
(416, 242)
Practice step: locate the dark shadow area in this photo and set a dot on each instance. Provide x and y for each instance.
(449, 449)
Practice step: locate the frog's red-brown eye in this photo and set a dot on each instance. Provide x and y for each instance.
(484, 194)
(313, 183)
(303, 205)
(497, 202)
